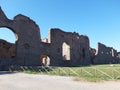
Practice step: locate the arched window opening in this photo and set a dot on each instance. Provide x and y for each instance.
(66, 51)
(45, 60)
(7, 43)
(8, 35)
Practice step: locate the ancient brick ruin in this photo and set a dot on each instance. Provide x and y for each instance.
(7, 50)
(106, 55)
(59, 49)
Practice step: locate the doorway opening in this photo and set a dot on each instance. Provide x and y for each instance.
(66, 51)
(45, 60)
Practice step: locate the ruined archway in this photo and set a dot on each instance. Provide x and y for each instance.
(28, 44)
(8, 40)
(66, 51)
(8, 35)
(44, 60)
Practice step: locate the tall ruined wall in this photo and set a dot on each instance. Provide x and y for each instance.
(63, 48)
(28, 38)
(105, 55)
(28, 44)
(78, 48)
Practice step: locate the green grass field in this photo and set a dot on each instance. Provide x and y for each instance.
(87, 73)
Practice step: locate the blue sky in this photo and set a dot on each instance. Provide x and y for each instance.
(98, 19)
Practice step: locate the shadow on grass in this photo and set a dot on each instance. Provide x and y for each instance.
(6, 72)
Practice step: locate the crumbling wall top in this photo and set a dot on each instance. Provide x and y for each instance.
(21, 17)
(2, 15)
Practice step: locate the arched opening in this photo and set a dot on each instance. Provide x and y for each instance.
(66, 51)
(7, 43)
(45, 60)
(8, 35)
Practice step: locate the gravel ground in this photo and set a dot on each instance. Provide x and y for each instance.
(21, 81)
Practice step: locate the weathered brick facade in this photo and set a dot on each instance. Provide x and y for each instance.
(59, 49)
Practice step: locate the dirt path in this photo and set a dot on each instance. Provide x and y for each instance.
(21, 81)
